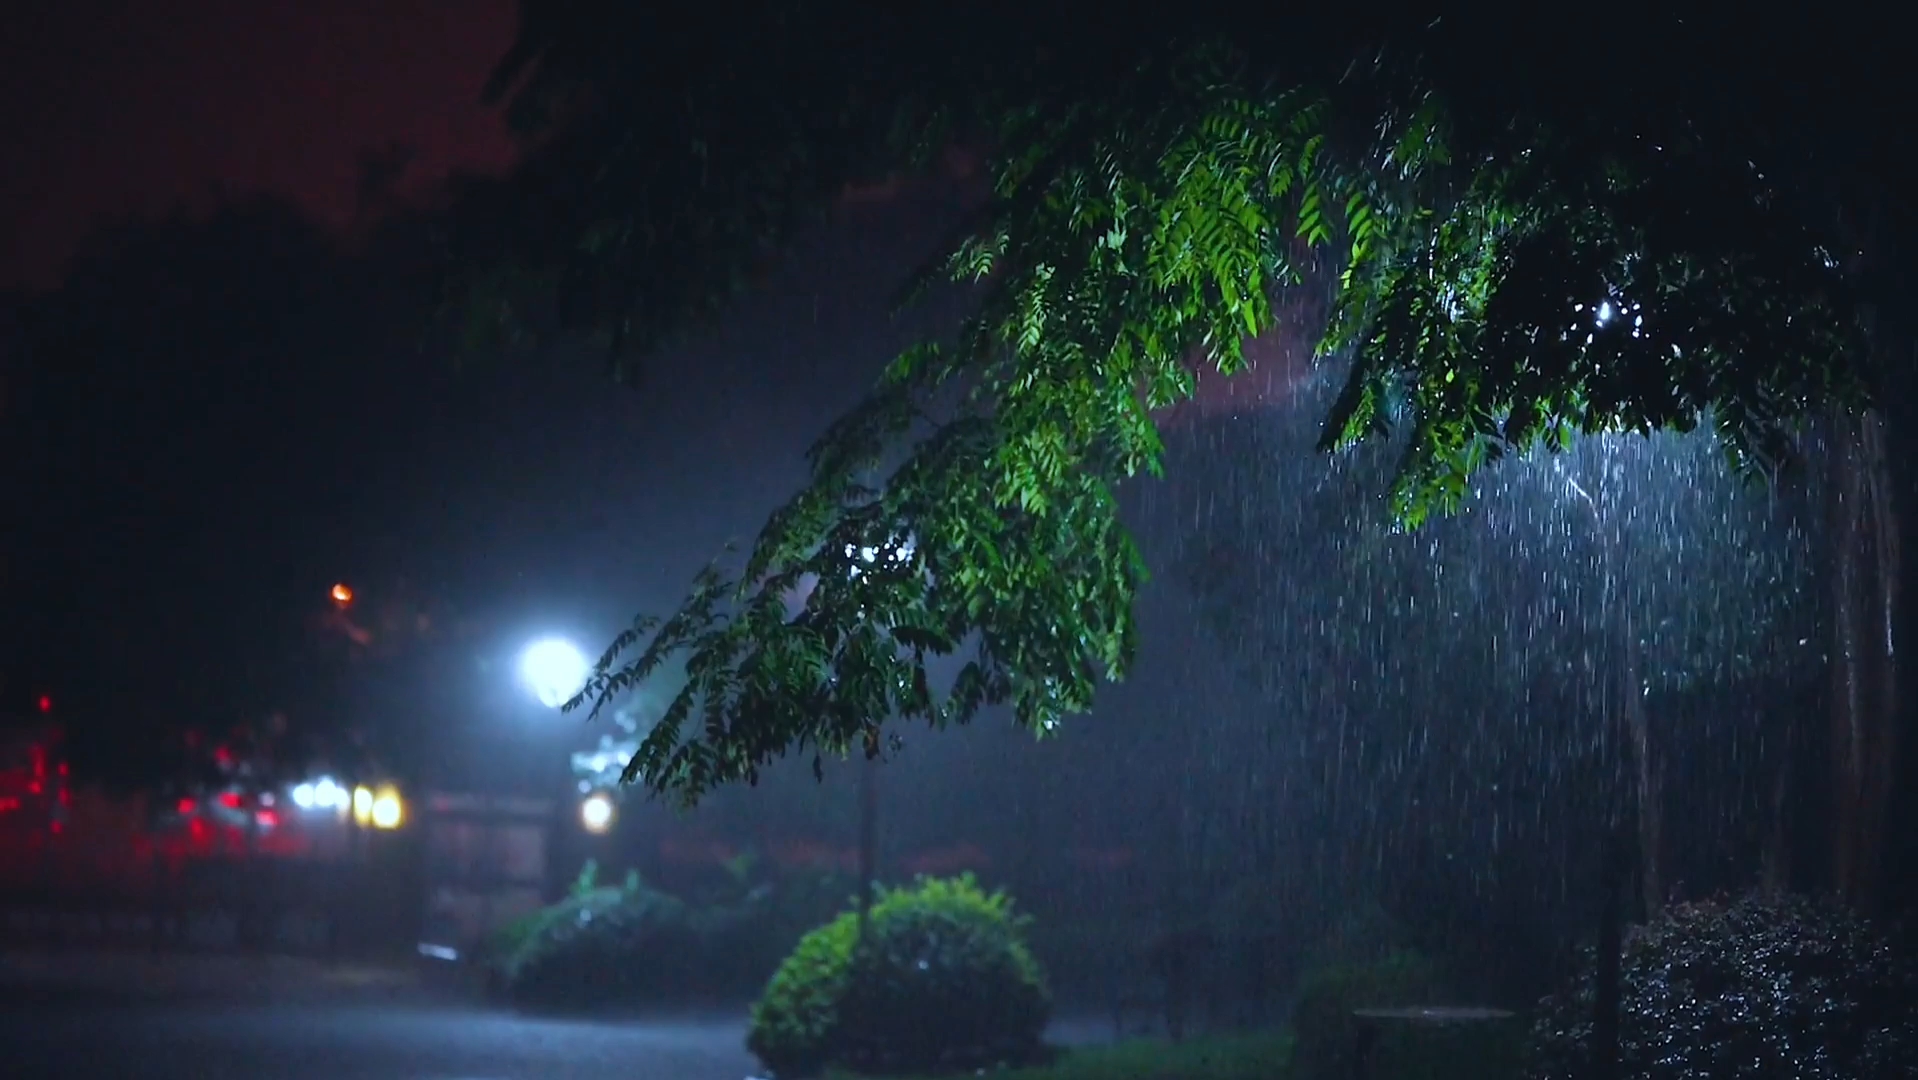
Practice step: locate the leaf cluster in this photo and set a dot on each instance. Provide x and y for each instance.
(1511, 272)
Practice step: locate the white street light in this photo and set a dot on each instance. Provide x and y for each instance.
(554, 671)
(596, 812)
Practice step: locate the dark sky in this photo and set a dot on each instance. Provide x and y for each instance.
(189, 509)
(183, 516)
(184, 507)
(116, 106)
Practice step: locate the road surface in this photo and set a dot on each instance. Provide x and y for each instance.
(209, 1040)
(121, 1018)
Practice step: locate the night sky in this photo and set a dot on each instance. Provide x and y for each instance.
(179, 512)
(177, 516)
(109, 108)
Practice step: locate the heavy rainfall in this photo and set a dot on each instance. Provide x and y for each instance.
(1552, 730)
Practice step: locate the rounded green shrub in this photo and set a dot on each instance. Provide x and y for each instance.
(941, 981)
(609, 949)
(1759, 987)
(626, 947)
(1325, 1026)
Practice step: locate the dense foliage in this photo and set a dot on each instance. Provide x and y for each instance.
(1751, 988)
(1525, 248)
(1323, 1023)
(941, 981)
(610, 948)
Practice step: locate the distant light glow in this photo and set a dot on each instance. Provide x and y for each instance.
(554, 671)
(46, 703)
(342, 593)
(1604, 312)
(321, 793)
(596, 812)
(363, 805)
(387, 809)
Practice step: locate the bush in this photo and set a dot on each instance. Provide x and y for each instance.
(942, 982)
(607, 948)
(633, 946)
(1324, 1026)
(1754, 988)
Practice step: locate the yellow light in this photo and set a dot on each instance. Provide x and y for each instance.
(387, 809)
(362, 805)
(596, 813)
(342, 593)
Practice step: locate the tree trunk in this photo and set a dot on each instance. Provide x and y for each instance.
(1776, 869)
(1607, 999)
(1628, 706)
(1865, 575)
(868, 837)
(1647, 773)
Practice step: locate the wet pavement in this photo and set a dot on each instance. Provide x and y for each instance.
(81, 1036)
(132, 1017)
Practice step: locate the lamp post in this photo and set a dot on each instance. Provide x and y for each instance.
(863, 560)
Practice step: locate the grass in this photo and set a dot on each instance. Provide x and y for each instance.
(1239, 1057)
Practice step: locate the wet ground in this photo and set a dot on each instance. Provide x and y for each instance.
(209, 1040)
(351, 1025)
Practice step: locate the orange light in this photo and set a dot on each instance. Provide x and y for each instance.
(342, 593)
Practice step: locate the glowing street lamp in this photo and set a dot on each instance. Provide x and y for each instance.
(596, 812)
(553, 670)
(342, 594)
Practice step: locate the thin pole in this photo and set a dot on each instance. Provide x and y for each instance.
(868, 837)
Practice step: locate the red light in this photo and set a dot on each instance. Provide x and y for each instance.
(268, 819)
(230, 800)
(186, 806)
(46, 703)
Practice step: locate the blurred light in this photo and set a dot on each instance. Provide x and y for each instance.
(230, 800)
(267, 819)
(362, 805)
(46, 703)
(186, 806)
(387, 809)
(596, 812)
(554, 670)
(322, 793)
(342, 594)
